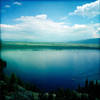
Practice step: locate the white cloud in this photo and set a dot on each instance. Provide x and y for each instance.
(97, 33)
(43, 16)
(6, 26)
(17, 3)
(63, 18)
(7, 6)
(90, 9)
(40, 28)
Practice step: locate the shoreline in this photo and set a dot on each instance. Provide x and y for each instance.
(21, 45)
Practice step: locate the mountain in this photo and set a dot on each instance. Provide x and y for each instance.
(88, 41)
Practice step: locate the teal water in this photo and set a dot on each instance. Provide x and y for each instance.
(51, 69)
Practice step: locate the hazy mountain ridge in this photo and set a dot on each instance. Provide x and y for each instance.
(88, 41)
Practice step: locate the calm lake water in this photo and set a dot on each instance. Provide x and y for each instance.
(50, 68)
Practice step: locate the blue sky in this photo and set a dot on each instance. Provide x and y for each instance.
(49, 20)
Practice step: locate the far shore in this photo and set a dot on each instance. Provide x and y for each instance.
(48, 45)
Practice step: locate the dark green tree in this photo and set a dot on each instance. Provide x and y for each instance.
(86, 84)
(2, 78)
(60, 92)
(3, 89)
(68, 94)
(20, 82)
(84, 97)
(79, 88)
(13, 83)
(50, 97)
(2, 66)
(97, 83)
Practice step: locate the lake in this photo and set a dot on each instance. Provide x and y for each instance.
(51, 68)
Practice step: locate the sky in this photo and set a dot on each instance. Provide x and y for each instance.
(49, 20)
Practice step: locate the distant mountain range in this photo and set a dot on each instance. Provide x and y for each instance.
(88, 41)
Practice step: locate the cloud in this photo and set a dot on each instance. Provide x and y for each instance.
(97, 33)
(17, 3)
(88, 10)
(7, 6)
(41, 28)
(63, 18)
(6, 26)
(43, 16)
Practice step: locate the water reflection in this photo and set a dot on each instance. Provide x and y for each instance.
(53, 68)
